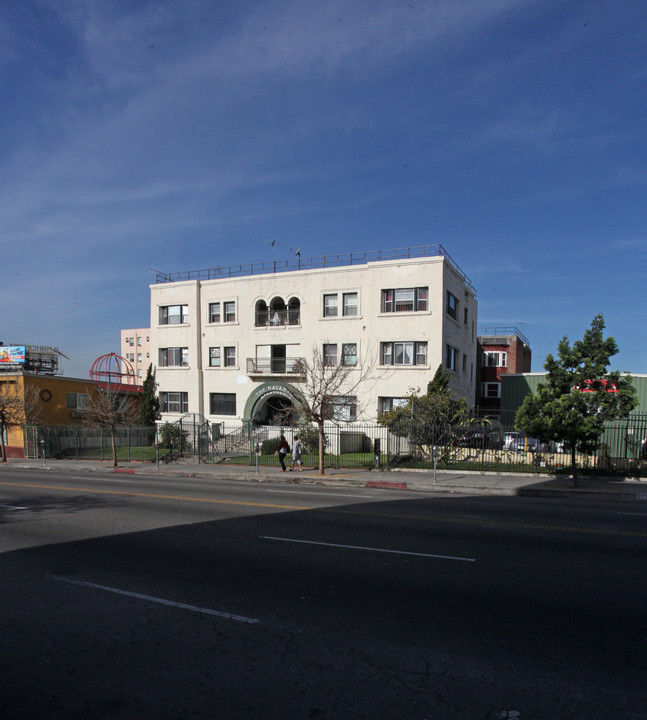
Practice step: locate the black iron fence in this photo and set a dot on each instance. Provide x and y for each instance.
(482, 445)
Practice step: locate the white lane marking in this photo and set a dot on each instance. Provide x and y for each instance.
(630, 513)
(14, 507)
(368, 549)
(161, 601)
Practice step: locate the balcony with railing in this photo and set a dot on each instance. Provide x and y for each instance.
(278, 318)
(277, 366)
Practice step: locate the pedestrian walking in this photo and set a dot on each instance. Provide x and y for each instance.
(282, 450)
(296, 454)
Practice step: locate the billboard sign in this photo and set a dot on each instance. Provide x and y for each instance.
(12, 354)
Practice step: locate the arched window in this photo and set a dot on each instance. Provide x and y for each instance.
(261, 314)
(278, 311)
(294, 311)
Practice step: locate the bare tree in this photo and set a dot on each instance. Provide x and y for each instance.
(331, 391)
(110, 410)
(18, 407)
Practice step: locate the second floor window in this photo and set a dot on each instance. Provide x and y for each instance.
(451, 357)
(214, 357)
(330, 354)
(349, 354)
(174, 315)
(403, 353)
(495, 359)
(174, 357)
(405, 299)
(230, 356)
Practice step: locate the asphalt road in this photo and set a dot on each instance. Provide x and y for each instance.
(148, 597)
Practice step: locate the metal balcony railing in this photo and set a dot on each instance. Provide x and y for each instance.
(276, 366)
(277, 318)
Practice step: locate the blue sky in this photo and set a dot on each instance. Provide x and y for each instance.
(186, 135)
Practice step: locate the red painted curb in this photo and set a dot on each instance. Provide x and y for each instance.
(119, 470)
(392, 485)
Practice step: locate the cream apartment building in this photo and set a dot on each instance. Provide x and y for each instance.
(238, 348)
(136, 348)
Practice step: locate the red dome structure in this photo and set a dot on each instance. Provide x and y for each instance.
(114, 372)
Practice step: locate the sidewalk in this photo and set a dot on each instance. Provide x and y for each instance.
(470, 483)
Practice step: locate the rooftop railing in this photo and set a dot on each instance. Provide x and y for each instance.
(315, 263)
(503, 332)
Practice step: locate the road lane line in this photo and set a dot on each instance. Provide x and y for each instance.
(161, 601)
(14, 507)
(158, 497)
(368, 549)
(320, 492)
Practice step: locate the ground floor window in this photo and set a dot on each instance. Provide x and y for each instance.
(342, 408)
(222, 403)
(451, 357)
(174, 402)
(385, 404)
(491, 390)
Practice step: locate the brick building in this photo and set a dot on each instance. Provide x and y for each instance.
(500, 351)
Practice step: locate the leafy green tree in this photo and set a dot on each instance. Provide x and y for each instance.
(428, 419)
(150, 404)
(579, 394)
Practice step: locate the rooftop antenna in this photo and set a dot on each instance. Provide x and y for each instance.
(296, 252)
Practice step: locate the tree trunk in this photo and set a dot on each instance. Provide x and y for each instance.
(320, 428)
(574, 467)
(114, 449)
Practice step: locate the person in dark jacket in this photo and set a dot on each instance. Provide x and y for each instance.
(282, 450)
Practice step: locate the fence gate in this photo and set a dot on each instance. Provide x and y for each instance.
(196, 437)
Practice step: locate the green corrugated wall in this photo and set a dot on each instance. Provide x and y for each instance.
(515, 387)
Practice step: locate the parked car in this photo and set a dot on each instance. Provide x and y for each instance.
(518, 442)
(481, 437)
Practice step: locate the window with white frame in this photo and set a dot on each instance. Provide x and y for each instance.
(491, 390)
(139, 342)
(330, 307)
(174, 402)
(174, 357)
(451, 308)
(330, 354)
(173, 315)
(495, 358)
(350, 306)
(385, 404)
(403, 353)
(214, 312)
(405, 299)
(349, 354)
(451, 357)
(222, 403)
(214, 357)
(342, 407)
(230, 311)
(230, 356)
